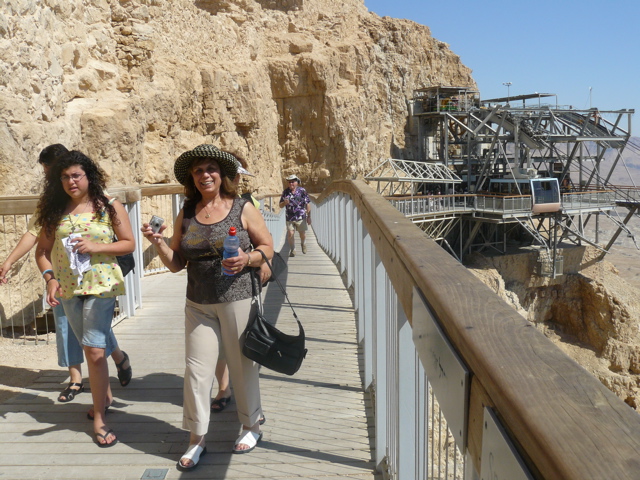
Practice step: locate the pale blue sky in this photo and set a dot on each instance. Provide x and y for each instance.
(561, 47)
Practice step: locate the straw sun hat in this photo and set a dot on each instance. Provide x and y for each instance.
(228, 163)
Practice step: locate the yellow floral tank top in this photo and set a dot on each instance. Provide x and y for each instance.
(104, 278)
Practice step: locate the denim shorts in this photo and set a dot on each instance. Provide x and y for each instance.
(69, 349)
(90, 319)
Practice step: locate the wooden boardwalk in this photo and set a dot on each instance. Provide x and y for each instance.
(318, 425)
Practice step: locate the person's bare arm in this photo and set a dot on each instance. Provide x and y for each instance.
(43, 260)
(169, 254)
(26, 243)
(265, 273)
(253, 222)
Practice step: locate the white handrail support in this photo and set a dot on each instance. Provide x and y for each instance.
(412, 439)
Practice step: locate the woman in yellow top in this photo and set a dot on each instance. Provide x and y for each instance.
(70, 354)
(76, 254)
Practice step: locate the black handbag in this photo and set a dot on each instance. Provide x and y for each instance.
(127, 263)
(268, 346)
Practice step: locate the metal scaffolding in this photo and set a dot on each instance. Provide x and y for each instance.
(483, 144)
(405, 177)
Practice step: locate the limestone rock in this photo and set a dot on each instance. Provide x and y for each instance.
(589, 311)
(311, 87)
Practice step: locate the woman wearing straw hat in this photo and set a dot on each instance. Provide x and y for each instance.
(223, 397)
(218, 305)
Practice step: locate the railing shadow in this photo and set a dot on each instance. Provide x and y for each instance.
(18, 377)
(273, 299)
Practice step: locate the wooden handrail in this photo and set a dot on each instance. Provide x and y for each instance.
(161, 189)
(26, 204)
(564, 422)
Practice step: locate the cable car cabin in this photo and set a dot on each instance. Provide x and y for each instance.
(545, 192)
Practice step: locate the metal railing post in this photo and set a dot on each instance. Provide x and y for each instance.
(365, 275)
(408, 364)
(378, 330)
(335, 230)
(365, 332)
(393, 393)
(132, 299)
(341, 233)
(351, 245)
(358, 269)
(135, 284)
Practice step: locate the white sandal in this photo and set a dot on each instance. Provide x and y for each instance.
(193, 453)
(248, 438)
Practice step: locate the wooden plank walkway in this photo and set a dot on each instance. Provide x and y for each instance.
(318, 425)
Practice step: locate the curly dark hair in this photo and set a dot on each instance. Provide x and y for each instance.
(192, 195)
(54, 199)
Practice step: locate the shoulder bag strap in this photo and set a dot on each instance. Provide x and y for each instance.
(279, 284)
(257, 293)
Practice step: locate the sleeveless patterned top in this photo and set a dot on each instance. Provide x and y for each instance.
(201, 246)
(104, 279)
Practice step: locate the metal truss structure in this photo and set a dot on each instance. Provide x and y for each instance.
(395, 176)
(466, 143)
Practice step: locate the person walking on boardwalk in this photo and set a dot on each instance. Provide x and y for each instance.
(219, 304)
(223, 397)
(76, 254)
(68, 348)
(298, 213)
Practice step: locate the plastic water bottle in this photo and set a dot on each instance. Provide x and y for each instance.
(230, 248)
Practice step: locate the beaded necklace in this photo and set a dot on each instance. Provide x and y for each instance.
(74, 225)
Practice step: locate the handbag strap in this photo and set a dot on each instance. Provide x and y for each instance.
(279, 284)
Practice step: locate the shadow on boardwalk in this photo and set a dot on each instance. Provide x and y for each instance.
(317, 425)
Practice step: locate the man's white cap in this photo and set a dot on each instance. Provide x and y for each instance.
(244, 171)
(293, 177)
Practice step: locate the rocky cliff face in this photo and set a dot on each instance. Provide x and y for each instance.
(312, 87)
(589, 311)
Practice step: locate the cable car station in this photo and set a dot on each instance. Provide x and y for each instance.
(511, 170)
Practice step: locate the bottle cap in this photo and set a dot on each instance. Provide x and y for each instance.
(232, 231)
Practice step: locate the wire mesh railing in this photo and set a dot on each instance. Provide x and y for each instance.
(588, 199)
(503, 204)
(23, 317)
(433, 204)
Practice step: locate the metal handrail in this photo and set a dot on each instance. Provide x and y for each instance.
(420, 205)
(523, 394)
